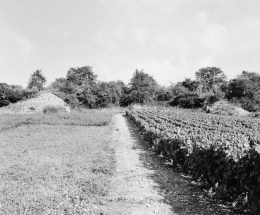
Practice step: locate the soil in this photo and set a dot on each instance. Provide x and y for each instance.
(144, 184)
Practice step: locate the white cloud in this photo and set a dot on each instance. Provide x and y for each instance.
(131, 7)
(183, 59)
(214, 37)
(202, 18)
(25, 46)
(134, 7)
(59, 32)
(163, 71)
(181, 45)
(254, 22)
(229, 3)
(105, 40)
(111, 39)
(170, 43)
(140, 35)
(206, 61)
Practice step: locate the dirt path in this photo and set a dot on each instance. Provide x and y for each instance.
(133, 192)
(142, 185)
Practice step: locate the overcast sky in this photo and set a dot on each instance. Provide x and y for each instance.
(169, 39)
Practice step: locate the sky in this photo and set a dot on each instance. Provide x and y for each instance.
(169, 39)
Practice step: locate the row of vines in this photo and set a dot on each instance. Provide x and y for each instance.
(222, 151)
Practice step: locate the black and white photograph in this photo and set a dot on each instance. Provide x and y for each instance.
(129, 107)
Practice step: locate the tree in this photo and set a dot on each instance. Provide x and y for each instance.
(237, 88)
(245, 85)
(78, 88)
(178, 89)
(252, 79)
(143, 87)
(14, 93)
(245, 89)
(87, 96)
(189, 84)
(210, 79)
(81, 75)
(117, 88)
(37, 80)
(164, 94)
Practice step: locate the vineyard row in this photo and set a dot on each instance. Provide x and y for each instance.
(223, 151)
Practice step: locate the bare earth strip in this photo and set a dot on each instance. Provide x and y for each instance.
(133, 192)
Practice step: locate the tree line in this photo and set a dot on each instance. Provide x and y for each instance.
(81, 88)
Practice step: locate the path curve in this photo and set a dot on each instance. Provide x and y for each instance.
(132, 192)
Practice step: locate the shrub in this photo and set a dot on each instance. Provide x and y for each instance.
(210, 98)
(188, 100)
(14, 93)
(53, 109)
(72, 100)
(4, 103)
(29, 93)
(250, 105)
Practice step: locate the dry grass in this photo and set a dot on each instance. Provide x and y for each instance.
(51, 167)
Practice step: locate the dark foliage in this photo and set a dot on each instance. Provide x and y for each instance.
(81, 88)
(245, 89)
(164, 94)
(191, 85)
(210, 79)
(53, 110)
(143, 88)
(13, 93)
(37, 80)
(188, 100)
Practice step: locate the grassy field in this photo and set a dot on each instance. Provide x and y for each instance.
(55, 164)
(87, 118)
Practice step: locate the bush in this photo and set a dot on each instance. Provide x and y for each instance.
(250, 105)
(72, 100)
(188, 100)
(53, 109)
(14, 93)
(29, 93)
(4, 103)
(210, 99)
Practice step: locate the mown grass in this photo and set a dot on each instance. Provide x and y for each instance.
(87, 118)
(50, 166)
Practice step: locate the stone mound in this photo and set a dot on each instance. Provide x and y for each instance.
(36, 105)
(224, 108)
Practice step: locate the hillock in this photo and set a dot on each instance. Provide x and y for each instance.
(36, 105)
(225, 108)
